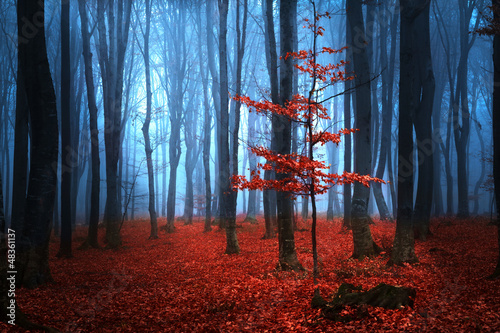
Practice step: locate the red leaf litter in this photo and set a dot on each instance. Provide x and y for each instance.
(183, 282)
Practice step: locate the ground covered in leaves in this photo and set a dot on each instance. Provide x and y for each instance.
(183, 282)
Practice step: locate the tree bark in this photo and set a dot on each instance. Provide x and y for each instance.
(283, 135)
(111, 62)
(496, 128)
(226, 201)
(145, 128)
(363, 242)
(414, 16)
(423, 98)
(67, 168)
(346, 223)
(34, 269)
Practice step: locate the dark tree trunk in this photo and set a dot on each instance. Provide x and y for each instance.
(347, 139)
(145, 128)
(240, 51)
(363, 241)
(386, 126)
(111, 62)
(423, 97)
(282, 131)
(34, 267)
(206, 129)
(226, 201)
(252, 161)
(175, 58)
(496, 129)
(21, 143)
(67, 168)
(414, 20)
(270, 196)
(438, 142)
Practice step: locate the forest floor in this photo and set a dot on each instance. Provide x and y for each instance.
(182, 282)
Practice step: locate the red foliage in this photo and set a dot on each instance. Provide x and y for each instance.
(183, 283)
(305, 175)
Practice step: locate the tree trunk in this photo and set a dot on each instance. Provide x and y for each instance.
(226, 204)
(283, 135)
(414, 19)
(269, 196)
(145, 128)
(34, 267)
(496, 129)
(346, 223)
(21, 142)
(111, 62)
(67, 167)
(363, 242)
(422, 115)
(252, 161)
(206, 129)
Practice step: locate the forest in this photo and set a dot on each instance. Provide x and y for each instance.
(250, 166)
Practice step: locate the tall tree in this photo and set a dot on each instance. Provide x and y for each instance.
(111, 62)
(363, 241)
(269, 196)
(461, 114)
(94, 131)
(421, 112)
(34, 237)
(347, 124)
(386, 119)
(241, 28)
(145, 127)
(282, 131)
(206, 127)
(415, 102)
(175, 58)
(66, 163)
(228, 218)
(496, 121)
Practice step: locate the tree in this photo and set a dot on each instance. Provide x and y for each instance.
(94, 131)
(34, 233)
(175, 59)
(240, 52)
(421, 111)
(227, 215)
(66, 164)
(269, 196)
(145, 126)
(282, 133)
(363, 242)
(415, 102)
(493, 28)
(496, 122)
(111, 62)
(297, 174)
(206, 127)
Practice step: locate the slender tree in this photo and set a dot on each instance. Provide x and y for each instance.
(66, 154)
(111, 62)
(228, 217)
(145, 127)
(415, 102)
(206, 127)
(94, 130)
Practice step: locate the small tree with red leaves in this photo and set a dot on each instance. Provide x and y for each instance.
(306, 175)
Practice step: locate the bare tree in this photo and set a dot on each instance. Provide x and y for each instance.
(94, 131)
(363, 241)
(111, 62)
(34, 237)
